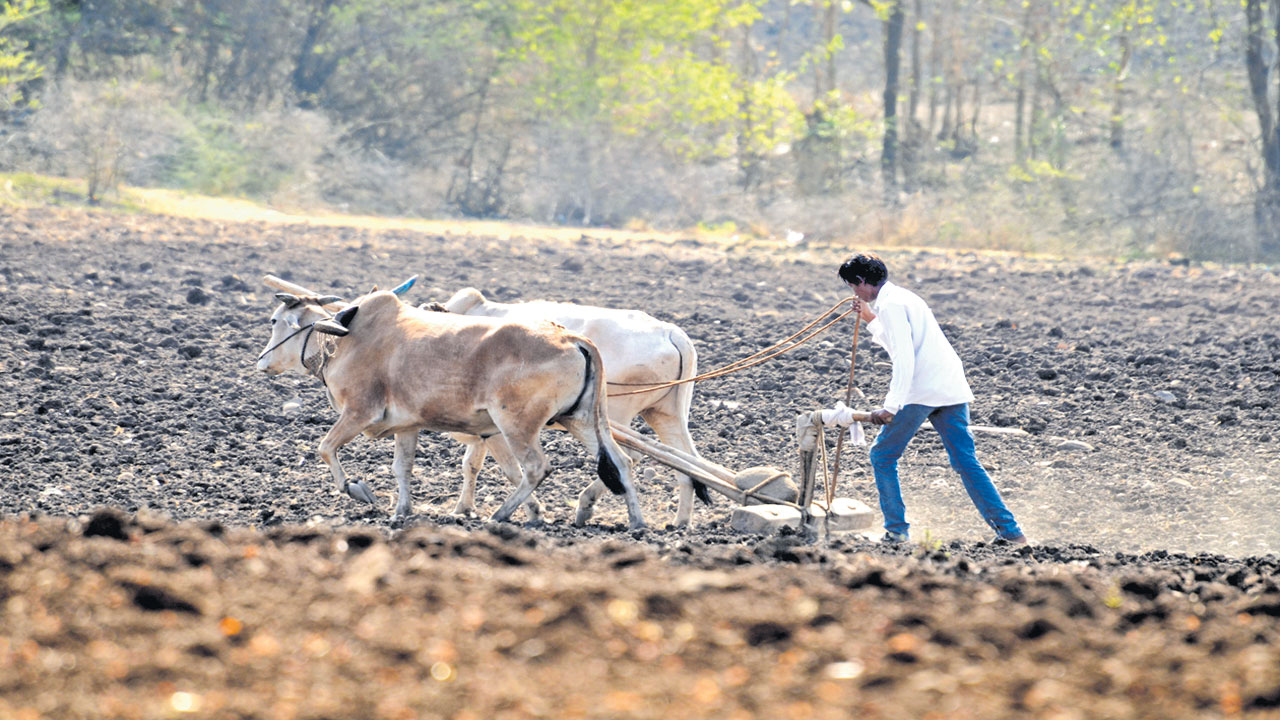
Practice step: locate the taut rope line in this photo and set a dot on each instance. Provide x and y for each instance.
(848, 398)
(751, 360)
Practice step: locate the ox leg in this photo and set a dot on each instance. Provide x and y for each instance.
(511, 468)
(587, 501)
(674, 431)
(586, 434)
(472, 461)
(402, 466)
(523, 443)
(340, 434)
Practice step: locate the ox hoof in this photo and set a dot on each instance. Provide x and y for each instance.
(361, 492)
(500, 517)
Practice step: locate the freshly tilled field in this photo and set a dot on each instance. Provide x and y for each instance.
(170, 544)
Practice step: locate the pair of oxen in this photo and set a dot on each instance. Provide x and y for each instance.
(493, 375)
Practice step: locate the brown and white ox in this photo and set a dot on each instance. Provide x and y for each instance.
(636, 349)
(392, 369)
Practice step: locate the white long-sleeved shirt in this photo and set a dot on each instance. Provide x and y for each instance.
(926, 369)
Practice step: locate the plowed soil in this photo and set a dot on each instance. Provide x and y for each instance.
(170, 544)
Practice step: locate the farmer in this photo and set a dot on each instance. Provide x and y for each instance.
(928, 383)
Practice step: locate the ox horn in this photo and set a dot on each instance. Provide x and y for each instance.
(329, 327)
(289, 299)
(340, 324)
(403, 287)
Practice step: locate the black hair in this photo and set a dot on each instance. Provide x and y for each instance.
(864, 268)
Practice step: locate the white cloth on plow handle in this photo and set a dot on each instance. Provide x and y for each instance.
(842, 416)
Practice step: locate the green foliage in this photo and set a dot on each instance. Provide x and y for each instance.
(26, 189)
(216, 152)
(213, 158)
(16, 64)
(930, 543)
(653, 69)
(728, 227)
(844, 123)
(1034, 171)
(1122, 126)
(883, 8)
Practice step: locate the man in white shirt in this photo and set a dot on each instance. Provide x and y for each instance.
(928, 383)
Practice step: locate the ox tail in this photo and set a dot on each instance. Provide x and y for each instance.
(684, 392)
(592, 402)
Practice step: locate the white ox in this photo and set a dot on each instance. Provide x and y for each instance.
(635, 348)
(392, 369)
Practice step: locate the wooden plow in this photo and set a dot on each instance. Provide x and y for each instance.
(768, 486)
(805, 509)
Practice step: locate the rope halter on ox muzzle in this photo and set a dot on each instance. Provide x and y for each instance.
(325, 325)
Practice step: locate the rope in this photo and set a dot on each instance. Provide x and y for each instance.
(822, 447)
(848, 398)
(752, 360)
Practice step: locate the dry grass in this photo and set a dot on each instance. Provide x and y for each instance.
(917, 225)
(26, 190)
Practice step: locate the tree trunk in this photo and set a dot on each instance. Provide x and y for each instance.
(824, 72)
(911, 139)
(935, 67)
(1035, 119)
(312, 69)
(892, 60)
(948, 103)
(829, 33)
(1117, 102)
(749, 170)
(1022, 116)
(913, 99)
(977, 112)
(1267, 201)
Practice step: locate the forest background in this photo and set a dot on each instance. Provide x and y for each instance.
(1121, 128)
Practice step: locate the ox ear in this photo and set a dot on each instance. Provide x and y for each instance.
(289, 299)
(329, 327)
(328, 299)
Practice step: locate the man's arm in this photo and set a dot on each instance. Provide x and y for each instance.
(882, 416)
(895, 332)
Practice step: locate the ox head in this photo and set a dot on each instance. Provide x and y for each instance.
(290, 325)
(297, 318)
(464, 301)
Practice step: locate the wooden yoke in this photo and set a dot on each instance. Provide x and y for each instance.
(285, 286)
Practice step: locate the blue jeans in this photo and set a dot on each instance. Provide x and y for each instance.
(952, 424)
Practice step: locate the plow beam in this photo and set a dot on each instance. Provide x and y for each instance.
(714, 476)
